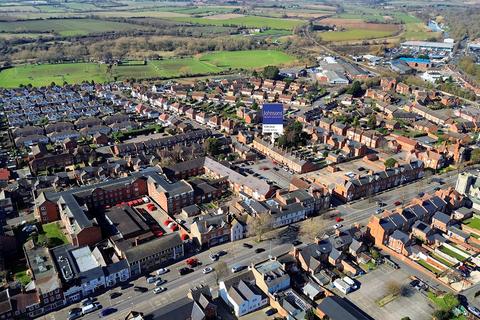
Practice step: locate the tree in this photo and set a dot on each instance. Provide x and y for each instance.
(212, 146)
(310, 315)
(475, 156)
(390, 163)
(271, 72)
(393, 288)
(355, 122)
(355, 89)
(259, 225)
(311, 229)
(372, 121)
(442, 315)
(221, 270)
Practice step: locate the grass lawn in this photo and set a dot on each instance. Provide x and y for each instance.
(208, 63)
(418, 31)
(20, 274)
(452, 253)
(446, 302)
(53, 232)
(246, 59)
(354, 34)
(473, 223)
(247, 21)
(67, 27)
(428, 266)
(442, 260)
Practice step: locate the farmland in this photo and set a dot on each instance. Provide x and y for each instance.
(66, 27)
(246, 21)
(209, 63)
(354, 34)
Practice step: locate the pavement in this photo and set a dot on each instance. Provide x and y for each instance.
(177, 286)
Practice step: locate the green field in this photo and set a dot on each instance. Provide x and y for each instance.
(247, 21)
(452, 254)
(429, 266)
(209, 63)
(473, 223)
(66, 27)
(244, 59)
(418, 31)
(354, 34)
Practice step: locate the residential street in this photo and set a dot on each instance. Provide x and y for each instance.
(177, 286)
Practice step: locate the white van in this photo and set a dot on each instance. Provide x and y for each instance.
(90, 308)
(350, 282)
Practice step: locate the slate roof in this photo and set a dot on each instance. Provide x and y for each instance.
(337, 308)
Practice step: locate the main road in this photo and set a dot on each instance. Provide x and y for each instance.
(278, 242)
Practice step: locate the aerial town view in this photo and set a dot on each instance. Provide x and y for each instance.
(240, 159)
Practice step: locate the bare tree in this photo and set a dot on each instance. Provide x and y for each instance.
(393, 288)
(311, 228)
(221, 270)
(259, 225)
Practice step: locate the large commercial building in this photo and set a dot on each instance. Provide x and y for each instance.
(428, 46)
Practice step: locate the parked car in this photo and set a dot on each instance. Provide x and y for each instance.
(337, 226)
(114, 295)
(151, 280)
(75, 315)
(140, 289)
(184, 271)
(259, 250)
(379, 210)
(473, 310)
(192, 262)
(213, 257)
(107, 311)
(158, 290)
(338, 219)
(397, 203)
(87, 301)
(271, 312)
(207, 270)
(246, 245)
(161, 271)
(221, 253)
(237, 268)
(160, 282)
(91, 307)
(297, 242)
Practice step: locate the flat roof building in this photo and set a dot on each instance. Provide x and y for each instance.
(425, 45)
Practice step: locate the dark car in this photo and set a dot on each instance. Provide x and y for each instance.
(246, 245)
(271, 312)
(140, 289)
(259, 250)
(74, 310)
(297, 242)
(114, 295)
(221, 253)
(184, 271)
(76, 315)
(107, 311)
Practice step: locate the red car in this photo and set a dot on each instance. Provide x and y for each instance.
(397, 203)
(192, 262)
(338, 219)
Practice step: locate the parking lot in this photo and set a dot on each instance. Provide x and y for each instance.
(266, 170)
(374, 286)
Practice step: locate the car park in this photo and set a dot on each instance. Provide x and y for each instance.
(207, 270)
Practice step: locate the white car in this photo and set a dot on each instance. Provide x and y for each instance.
(161, 271)
(213, 257)
(207, 270)
(151, 279)
(158, 290)
(337, 226)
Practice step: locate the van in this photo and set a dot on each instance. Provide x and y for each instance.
(90, 308)
(151, 279)
(350, 282)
